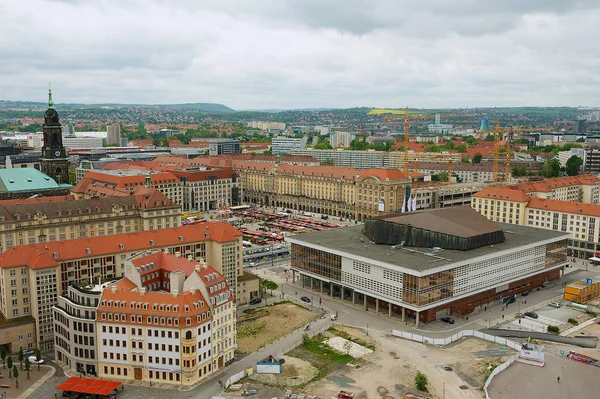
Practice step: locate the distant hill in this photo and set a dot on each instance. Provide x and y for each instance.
(206, 107)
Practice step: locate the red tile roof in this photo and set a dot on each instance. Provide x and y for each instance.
(504, 193)
(547, 185)
(579, 208)
(41, 255)
(383, 174)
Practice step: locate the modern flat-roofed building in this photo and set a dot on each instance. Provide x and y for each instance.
(429, 264)
(223, 146)
(285, 145)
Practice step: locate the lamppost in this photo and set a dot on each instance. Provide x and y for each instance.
(489, 319)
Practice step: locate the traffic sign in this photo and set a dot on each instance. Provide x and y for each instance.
(562, 352)
(588, 281)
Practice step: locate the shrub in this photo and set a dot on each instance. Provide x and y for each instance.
(553, 329)
(591, 313)
(573, 321)
(421, 381)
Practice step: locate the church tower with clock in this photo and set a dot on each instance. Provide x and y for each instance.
(54, 161)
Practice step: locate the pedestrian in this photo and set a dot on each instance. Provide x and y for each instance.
(467, 318)
(220, 383)
(296, 293)
(558, 379)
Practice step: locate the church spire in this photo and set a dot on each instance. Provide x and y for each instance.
(50, 102)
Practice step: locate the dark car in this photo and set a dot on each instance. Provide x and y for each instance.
(305, 299)
(255, 301)
(509, 299)
(28, 352)
(525, 293)
(324, 217)
(531, 314)
(448, 320)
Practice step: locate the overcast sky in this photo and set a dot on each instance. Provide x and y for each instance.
(250, 54)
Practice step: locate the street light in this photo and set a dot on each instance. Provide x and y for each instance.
(489, 319)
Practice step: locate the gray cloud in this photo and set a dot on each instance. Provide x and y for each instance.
(303, 53)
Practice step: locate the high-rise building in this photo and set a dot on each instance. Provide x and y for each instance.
(113, 134)
(54, 161)
(343, 139)
(285, 145)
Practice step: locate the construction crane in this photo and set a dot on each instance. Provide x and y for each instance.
(406, 132)
(449, 171)
(496, 151)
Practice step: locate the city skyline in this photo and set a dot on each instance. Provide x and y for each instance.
(309, 54)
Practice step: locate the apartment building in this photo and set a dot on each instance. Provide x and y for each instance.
(341, 139)
(285, 145)
(75, 344)
(33, 276)
(128, 179)
(330, 190)
(223, 146)
(49, 219)
(198, 188)
(554, 204)
(170, 320)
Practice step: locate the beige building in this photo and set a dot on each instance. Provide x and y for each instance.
(17, 333)
(40, 273)
(49, 219)
(552, 204)
(248, 288)
(170, 320)
(331, 190)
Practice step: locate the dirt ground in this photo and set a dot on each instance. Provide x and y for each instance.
(265, 325)
(389, 372)
(593, 330)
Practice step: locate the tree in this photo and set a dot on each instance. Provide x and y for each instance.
(421, 381)
(574, 165)
(518, 172)
(27, 366)
(580, 140)
(551, 168)
(328, 162)
(3, 354)
(72, 175)
(489, 137)
(268, 285)
(20, 357)
(443, 176)
(15, 373)
(156, 142)
(477, 158)
(9, 363)
(38, 357)
(461, 148)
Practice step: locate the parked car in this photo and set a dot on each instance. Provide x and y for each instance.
(305, 299)
(307, 214)
(531, 314)
(33, 360)
(555, 304)
(525, 293)
(252, 264)
(255, 301)
(509, 299)
(447, 320)
(324, 217)
(28, 352)
(333, 317)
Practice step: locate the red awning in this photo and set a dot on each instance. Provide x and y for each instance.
(92, 386)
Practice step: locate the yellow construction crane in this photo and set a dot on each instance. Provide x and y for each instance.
(496, 151)
(406, 132)
(507, 168)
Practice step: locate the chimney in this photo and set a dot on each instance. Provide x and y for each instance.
(142, 291)
(198, 268)
(189, 258)
(166, 251)
(192, 291)
(175, 293)
(178, 254)
(204, 266)
(113, 289)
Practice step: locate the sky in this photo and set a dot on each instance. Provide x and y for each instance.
(284, 54)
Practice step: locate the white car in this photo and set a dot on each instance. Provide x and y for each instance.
(333, 317)
(555, 304)
(33, 360)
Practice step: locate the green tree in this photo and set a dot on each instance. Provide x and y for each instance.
(574, 165)
(443, 176)
(461, 148)
(518, 172)
(580, 140)
(268, 285)
(15, 373)
(432, 148)
(20, 357)
(156, 142)
(477, 158)
(27, 366)
(328, 162)
(9, 363)
(489, 137)
(323, 145)
(3, 354)
(38, 357)
(550, 168)
(421, 381)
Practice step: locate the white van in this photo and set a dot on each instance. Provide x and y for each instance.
(306, 214)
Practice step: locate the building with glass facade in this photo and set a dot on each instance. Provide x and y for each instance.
(425, 265)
